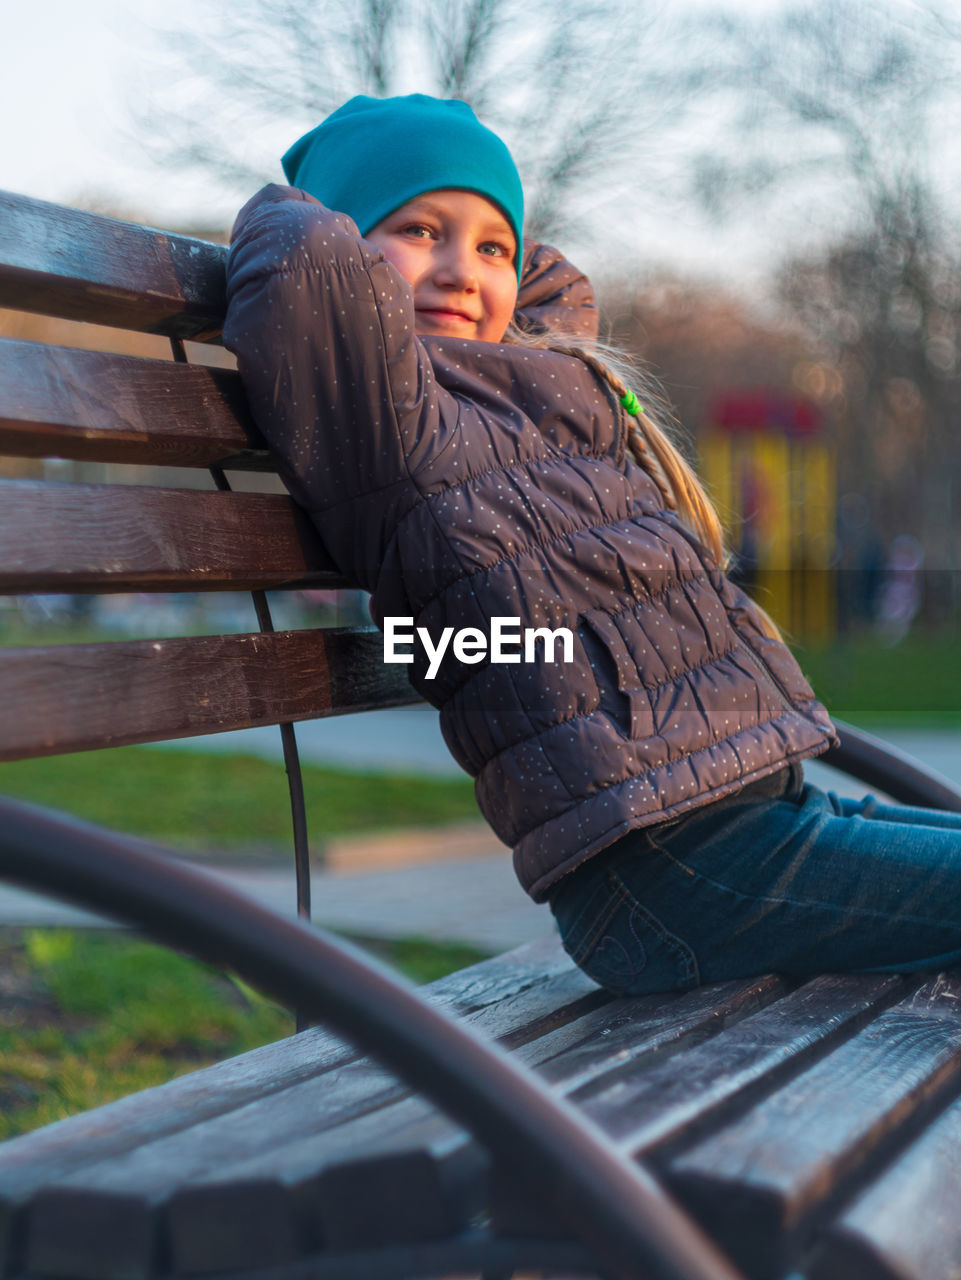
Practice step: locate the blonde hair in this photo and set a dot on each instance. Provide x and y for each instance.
(647, 441)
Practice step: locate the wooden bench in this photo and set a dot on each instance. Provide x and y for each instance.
(523, 1119)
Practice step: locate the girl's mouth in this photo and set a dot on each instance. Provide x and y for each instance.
(444, 315)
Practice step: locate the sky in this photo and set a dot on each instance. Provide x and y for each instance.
(71, 71)
(74, 67)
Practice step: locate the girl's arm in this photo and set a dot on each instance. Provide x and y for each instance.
(323, 329)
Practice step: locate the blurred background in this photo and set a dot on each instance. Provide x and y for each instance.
(765, 195)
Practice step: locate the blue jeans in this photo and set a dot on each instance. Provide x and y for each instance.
(798, 884)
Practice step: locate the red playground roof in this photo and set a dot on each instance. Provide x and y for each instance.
(765, 409)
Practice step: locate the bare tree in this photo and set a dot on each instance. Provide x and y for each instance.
(840, 89)
(575, 89)
(703, 340)
(839, 110)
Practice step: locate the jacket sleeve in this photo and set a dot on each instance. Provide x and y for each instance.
(323, 330)
(554, 294)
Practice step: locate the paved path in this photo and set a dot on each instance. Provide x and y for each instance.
(450, 884)
(475, 901)
(454, 884)
(408, 739)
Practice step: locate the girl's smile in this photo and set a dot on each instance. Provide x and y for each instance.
(459, 253)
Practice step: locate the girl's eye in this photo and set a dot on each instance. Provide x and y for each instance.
(419, 230)
(494, 249)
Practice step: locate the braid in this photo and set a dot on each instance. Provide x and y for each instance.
(649, 443)
(636, 442)
(678, 485)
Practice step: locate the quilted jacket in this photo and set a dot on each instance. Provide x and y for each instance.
(461, 481)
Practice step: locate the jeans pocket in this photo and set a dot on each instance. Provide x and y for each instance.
(622, 946)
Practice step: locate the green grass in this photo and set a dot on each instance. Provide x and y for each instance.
(914, 683)
(97, 1015)
(212, 802)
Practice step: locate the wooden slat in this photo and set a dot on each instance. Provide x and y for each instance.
(762, 1185)
(92, 1136)
(73, 1225)
(653, 1073)
(77, 537)
(534, 1012)
(428, 1188)
(79, 697)
(654, 1111)
(429, 1159)
(599, 1050)
(399, 1175)
(34, 1160)
(907, 1225)
(95, 406)
(82, 266)
(525, 969)
(260, 1230)
(288, 1141)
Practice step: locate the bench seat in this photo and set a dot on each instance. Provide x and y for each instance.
(808, 1126)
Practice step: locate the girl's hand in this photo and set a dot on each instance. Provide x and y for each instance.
(553, 293)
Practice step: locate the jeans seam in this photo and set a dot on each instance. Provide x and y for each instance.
(670, 857)
(601, 924)
(674, 944)
(808, 904)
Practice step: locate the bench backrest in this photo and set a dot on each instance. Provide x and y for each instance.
(126, 535)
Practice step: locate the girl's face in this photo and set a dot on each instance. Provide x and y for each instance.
(458, 252)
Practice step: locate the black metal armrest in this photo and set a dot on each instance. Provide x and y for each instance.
(879, 765)
(610, 1203)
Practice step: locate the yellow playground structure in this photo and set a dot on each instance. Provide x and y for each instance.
(769, 464)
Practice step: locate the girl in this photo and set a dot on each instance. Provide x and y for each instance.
(427, 386)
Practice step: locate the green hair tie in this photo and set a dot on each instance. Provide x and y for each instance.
(632, 404)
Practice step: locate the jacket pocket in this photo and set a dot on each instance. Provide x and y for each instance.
(621, 696)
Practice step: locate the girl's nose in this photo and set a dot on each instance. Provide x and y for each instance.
(455, 266)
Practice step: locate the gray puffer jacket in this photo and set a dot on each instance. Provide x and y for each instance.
(461, 481)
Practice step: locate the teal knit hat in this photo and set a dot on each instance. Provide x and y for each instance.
(374, 154)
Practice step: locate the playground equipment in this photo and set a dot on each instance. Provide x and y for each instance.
(768, 461)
